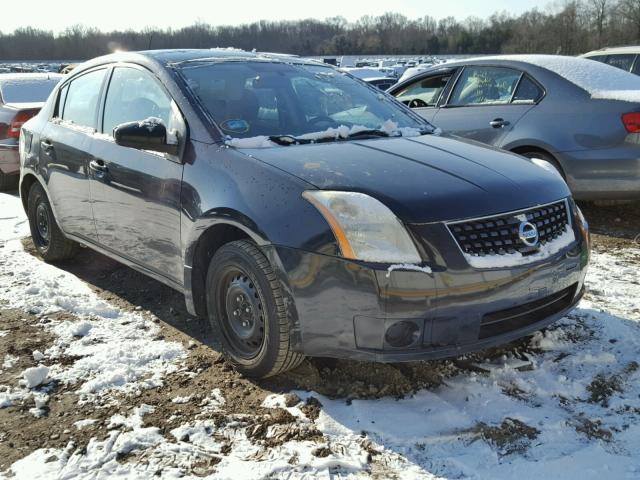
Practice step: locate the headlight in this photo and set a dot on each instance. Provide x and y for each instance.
(364, 228)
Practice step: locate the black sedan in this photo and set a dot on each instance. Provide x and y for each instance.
(301, 211)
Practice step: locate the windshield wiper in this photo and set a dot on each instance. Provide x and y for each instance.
(369, 133)
(291, 140)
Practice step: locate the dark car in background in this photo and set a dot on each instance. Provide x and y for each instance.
(581, 116)
(298, 209)
(21, 97)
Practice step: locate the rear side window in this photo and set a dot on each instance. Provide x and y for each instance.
(26, 90)
(425, 92)
(134, 95)
(636, 67)
(623, 62)
(485, 86)
(82, 98)
(528, 91)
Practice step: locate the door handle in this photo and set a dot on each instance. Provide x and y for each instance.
(499, 123)
(98, 167)
(47, 146)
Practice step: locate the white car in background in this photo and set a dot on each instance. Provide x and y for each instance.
(624, 58)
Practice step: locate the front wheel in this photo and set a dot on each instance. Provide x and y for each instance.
(47, 237)
(247, 312)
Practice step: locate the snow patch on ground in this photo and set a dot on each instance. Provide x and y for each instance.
(117, 350)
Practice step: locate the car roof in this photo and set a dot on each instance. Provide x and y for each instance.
(177, 56)
(629, 49)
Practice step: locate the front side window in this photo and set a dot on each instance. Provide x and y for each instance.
(623, 62)
(636, 67)
(425, 92)
(134, 95)
(485, 86)
(262, 98)
(81, 101)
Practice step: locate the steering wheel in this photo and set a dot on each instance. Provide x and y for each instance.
(322, 119)
(417, 103)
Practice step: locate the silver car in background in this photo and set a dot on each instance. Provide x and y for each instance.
(581, 116)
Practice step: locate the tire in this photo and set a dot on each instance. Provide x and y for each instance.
(47, 237)
(8, 182)
(247, 311)
(547, 158)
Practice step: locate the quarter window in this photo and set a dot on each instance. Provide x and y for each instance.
(527, 92)
(81, 99)
(485, 86)
(134, 96)
(425, 92)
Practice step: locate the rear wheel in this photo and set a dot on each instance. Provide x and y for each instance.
(247, 312)
(47, 237)
(8, 182)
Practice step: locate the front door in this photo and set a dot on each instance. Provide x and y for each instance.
(136, 193)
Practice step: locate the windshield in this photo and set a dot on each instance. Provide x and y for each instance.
(258, 99)
(27, 90)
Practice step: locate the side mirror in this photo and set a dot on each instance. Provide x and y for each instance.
(149, 134)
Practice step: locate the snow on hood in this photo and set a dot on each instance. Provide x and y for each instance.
(601, 81)
(342, 131)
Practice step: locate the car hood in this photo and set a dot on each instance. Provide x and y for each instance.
(422, 179)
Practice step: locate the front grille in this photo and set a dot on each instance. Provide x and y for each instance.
(498, 235)
(504, 321)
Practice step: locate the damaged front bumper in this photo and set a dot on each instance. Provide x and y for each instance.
(345, 309)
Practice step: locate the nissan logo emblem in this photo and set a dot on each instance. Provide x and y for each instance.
(528, 233)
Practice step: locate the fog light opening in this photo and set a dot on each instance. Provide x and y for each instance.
(402, 334)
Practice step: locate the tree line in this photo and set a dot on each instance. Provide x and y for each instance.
(567, 27)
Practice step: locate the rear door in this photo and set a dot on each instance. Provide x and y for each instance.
(487, 102)
(136, 193)
(425, 93)
(64, 152)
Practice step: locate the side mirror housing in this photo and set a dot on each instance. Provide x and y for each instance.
(149, 134)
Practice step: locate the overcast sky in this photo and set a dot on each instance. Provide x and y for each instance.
(122, 14)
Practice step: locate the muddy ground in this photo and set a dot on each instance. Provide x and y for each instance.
(21, 433)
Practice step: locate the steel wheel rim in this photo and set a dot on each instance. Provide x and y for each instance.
(43, 224)
(242, 312)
